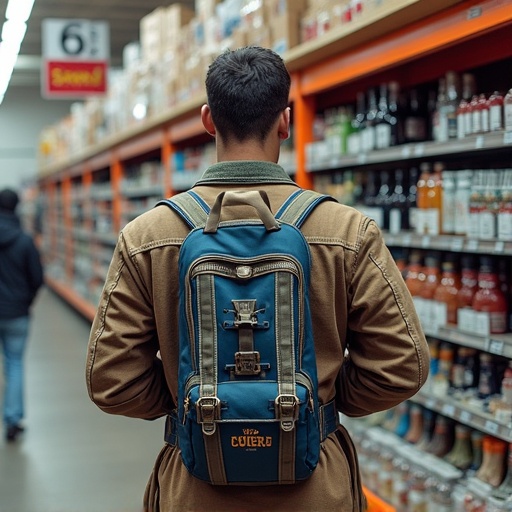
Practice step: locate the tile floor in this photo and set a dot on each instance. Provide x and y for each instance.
(72, 457)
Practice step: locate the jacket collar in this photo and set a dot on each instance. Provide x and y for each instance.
(244, 171)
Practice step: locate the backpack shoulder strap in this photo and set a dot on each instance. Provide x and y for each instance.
(299, 205)
(190, 206)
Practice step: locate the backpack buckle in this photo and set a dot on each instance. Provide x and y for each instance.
(208, 412)
(287, 411)
(247, 363)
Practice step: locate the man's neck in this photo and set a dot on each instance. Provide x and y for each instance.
(247, 151)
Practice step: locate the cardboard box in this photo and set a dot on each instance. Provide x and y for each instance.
(151, 34)
(285, 31)
(206, 8)
(176, 17)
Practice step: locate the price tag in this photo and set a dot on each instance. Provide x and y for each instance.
(472, 245)
(457, 244)
(495, 347)
(465, 417)
(449, 410)
(419, 150)
(491, 427)
(499, 246)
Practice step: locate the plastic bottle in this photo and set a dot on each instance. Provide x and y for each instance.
(415, 276)
(507, 111)
(447, 290)
(492, 470)
(461, 454)
(489, 299)
(496, 111)
(469, 281)
(504, 491)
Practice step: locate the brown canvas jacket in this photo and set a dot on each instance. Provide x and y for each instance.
(371, 351)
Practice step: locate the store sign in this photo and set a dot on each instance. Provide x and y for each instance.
(75, 58)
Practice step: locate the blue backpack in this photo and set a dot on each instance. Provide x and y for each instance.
(248, 410)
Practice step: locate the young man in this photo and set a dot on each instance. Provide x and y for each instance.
(21, 276)
(359, 304)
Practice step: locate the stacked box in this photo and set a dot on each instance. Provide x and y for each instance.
(285, 23)
(176, 17)
(151, 34)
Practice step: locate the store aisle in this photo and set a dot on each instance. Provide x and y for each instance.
(72, 457)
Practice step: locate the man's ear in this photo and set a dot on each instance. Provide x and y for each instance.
(206, 118)
(284, 124)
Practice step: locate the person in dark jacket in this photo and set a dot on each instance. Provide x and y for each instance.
(21, 276)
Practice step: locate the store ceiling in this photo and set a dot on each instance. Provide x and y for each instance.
(123, 17)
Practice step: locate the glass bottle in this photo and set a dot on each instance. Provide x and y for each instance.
(487, 223)
(489, 299)
(415, 276)
(462, 200)
(492, 470)
(382, 123)
(504, 214)
(441, 381)
(504, 491)
(432, 270)
(357, 124)
(464, 121)
(476, 202)
(396, 114)
(452, 102)
(411, 200)
(421, 198)
(469, 281)
(369, 137)
(415, 123)
(477, 438)
(446, 291)
(449, 218)
(435, 199)
(439, 119)
(401, 475)
(399, 207)
(487, 381)
(496, 111)
(415, 431)
(461, 454)
(428, 428)
(507, 111)
(383, 199)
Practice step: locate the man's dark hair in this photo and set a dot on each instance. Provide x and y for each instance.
(247, 89)
(8, 200)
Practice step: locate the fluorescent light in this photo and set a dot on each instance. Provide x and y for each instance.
(13, 32)
(19, 10)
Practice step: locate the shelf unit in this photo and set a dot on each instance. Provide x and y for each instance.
(414, 41)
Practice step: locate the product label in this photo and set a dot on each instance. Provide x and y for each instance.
(382, 136)
(505, 226)
(487, 225)
(495, 118)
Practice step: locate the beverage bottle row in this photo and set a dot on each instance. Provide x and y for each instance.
(386, 116)
(429, 200)
(409, 486)
(472, 292)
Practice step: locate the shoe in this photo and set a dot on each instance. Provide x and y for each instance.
(13, 432)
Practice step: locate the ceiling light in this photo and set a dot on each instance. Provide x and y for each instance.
(13, 32)
(19, 10)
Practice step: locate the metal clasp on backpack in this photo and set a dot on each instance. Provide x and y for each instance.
(247, 363)
(287, 411)
(208, 412)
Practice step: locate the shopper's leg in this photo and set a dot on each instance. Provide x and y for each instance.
(14, 339)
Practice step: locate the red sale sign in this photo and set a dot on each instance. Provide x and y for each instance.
(76, 77)
(75, 58)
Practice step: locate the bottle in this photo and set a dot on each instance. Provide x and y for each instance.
(469, 281)
(415, 123)
(477, 438)
(439, 117)
(358, 124)
(411, 200)
(398, 214)
(487, 382)
(415, 276)
(461, 454)
(421, 199)
(382, 123)
(451, 104)
(395, 116)
(432, 270)
(446, 291)
(383, 199)
(476, 201)
(489, 300)
(496, 111)
(492, 470)
(415, 431)
(507, 111)
(488, 214)
(435, 200)
(442, 438)
(417, 500)
(504, 491)
(369, 136)
(441, 381)
(504, 214)
(464, 114)
(464, 374)
(476, 115)
(463, 184)
(448, 206)
(428, 428)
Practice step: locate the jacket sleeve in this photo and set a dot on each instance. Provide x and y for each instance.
(387, 357)
(123, 373)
